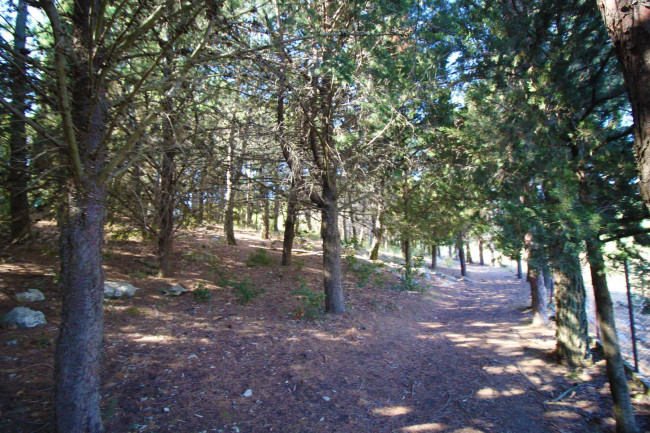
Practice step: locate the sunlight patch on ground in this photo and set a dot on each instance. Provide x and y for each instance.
(483, 325)
(153, 339)
(500, 369)
(430, 325)
(392, 410)
(424, 428)
(491, 393)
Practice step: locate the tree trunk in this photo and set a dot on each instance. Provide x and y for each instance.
(290, 225)
(266, 215)
(434, 255)
(377, 232)
(461, 255)
(166, 210)
(232, 177)
(628, 25)
(334, 301)
(18, 176)
(572, 339)
(538, 295)
(623, 412)
(79, 344)
(276, 213)
(481, 258)
(520, 270)
(408, 258)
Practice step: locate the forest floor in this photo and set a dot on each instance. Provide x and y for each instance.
(459, 357)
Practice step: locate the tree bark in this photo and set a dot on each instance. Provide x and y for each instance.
(78, 348)
(538, 295)
(572, 339)
(276, 213)
(461, 255)
(520, 270)
(232, 177)
(628, 25)
(166, 210)
(623, 412)
(18, 175)
(434, 256)
(408, 258)
(334, 301)
(377, 232)
(290, 225)
(481, 257)
(266, 216)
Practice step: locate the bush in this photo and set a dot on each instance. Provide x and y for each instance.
(201, 293)
(311, 302)
(360, 269)
(245, 291)
(259, 258)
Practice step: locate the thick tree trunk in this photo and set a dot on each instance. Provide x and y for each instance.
(290, 225)
(18, 176)
(377, 232)
(628, 25)
(481, 257)
(538, 295)
(520, 269)
(434, 256)
(469, 254)
(78, 348)
(334, 301)
(79, 344)
(461, 255)
(623, 412)
(572, 340)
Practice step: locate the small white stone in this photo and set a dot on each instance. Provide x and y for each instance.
(247, 393)
(326, 398)
(165, 409)
(193, 356)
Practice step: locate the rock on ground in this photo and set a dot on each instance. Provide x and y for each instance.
(115, 290)
(175, 290)
(30, 295)
(24, 317)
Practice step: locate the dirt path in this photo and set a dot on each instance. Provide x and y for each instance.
(460, 358)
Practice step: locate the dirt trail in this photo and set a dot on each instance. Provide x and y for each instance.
(460, 358)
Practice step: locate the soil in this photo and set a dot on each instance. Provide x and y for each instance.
(461, 356)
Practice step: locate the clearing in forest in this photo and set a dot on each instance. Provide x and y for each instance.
(245, 351)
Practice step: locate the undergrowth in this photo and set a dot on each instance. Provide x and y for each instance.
(310, 301)
(259, 258)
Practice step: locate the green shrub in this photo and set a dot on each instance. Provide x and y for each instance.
(360, 269)
(310, 302)
(299, 263)
(245, 291)
(259, 258)
(202, 294)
